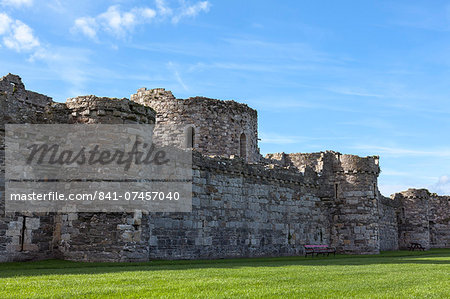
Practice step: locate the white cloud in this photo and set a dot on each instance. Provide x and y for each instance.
(118, 22)
(5, 23)
(148, 13)
(114, 21)
(88, 26)
(17, 3)
(17, 35)
(22, 37)
(57, 6)
(184, 11)
(191, 10)
(442, 187)
(163, 9)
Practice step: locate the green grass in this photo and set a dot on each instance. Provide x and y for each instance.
(390, 274)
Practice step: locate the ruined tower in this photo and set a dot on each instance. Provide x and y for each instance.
(412, 215)
(212, 127)
(348, 189)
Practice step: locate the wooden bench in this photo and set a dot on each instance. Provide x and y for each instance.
(319, 249)
(413, 246)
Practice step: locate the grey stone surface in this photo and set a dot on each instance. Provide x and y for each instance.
(244, 205)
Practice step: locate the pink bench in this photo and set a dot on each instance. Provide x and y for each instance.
(319, 249)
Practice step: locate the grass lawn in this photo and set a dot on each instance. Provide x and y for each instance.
(391, 274)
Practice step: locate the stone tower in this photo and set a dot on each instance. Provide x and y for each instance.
(412, 217)
(212, 127)
(349, 191)
(355, 213)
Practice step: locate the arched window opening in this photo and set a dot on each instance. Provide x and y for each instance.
(189, 138)
(243, 146)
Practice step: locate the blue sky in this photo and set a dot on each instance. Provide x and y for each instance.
(359, 77)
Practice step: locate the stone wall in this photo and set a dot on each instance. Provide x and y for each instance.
(26, 237)
(439, 221)
(242, 210)
(103, 237)
(269, 207)
(92, 109)
(348, 184)
(20, 105)
(414, 215)
(87, 236)
(2, 169)
(22, 236)
(218, 125)
(355, 217)
(388, 226)
(413, 225)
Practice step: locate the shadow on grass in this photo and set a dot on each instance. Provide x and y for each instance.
(59, 267)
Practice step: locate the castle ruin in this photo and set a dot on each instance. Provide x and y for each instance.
(243, 205)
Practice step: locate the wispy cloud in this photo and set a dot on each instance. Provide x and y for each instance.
(398, 151)
(391, 172)
(282, 104)
(163, 9)
(293, 51)
(190, 11)
(433, 18)
(17, 3)
(273, 138)
(396, 173)
(370, 122)
(118, 22)
(69, 64)
(442, 186)
(88, 26)
(56, 6)
(17, 35)
(114, 21)
(5, 23)
(172, 67)
(355, 92)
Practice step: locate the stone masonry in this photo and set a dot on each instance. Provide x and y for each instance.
(243, 205)
(220, 127)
